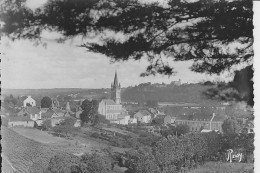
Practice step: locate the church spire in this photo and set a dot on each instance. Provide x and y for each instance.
(115, 79)
(116, 90)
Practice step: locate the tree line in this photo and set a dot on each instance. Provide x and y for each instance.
(168, 155)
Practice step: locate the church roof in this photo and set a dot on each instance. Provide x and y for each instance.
(114, 111)
(109, 102)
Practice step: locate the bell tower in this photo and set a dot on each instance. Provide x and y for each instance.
(116, 90)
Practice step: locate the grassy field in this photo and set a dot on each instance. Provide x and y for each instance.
(6, 165)
(28, 149)
(26, 154)
(220, 167)
(39, 136)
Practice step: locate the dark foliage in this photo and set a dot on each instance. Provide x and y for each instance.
(11, 100)
(87, 163)
(65, 126)
(240, 89)
(90, 112)
(214, 35)
(201, 31)
(231, 126)
(46, 102)
(152, 103)
(177, 130)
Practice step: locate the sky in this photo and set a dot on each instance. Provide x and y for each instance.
(26, 66)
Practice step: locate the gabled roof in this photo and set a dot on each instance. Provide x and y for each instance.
(33, 110)
(48, 114)
(199, 116)
(30, 110)
(57, 111)
(24, 98)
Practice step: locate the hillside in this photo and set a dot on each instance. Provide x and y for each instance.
(189, 93)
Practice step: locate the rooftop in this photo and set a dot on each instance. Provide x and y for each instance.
(20, 118)
(109, 102)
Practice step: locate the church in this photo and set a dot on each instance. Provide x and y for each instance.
(112, 108)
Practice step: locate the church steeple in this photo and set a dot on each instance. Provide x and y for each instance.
(116, 90)
(115, 79)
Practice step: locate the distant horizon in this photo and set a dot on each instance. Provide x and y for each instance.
(97, 88)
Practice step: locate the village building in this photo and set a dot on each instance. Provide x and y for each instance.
(132, 120)
(121, 119)
(143, 116)
(77, 123)
(109, 109)
(34, 113)
(20, 121)
(55, 115)
(168, 120)
(200, 121)
(55, 103)
(78, 114)
(112, 108)
(29, 101)
(176, 83)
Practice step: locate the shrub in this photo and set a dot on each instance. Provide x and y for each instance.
(95, 135)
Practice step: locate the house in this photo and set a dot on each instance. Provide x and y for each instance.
(250, 127)
(132, 121)
(58, 112)
(78, 114)
(67, 114)
(43, 110)
(143, 116)
(169, 120)
(33, 112)
(19, 121)
(29, 101)
(55, 115)
(56, 120)
(48, 114)
(121, 119)
(153, 112)
(77, 123)
(201, 120)
(176, 83)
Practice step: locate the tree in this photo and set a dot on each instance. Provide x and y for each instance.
(90, 112)
(87, 163)
(178, 130)
(65, 126)
(46, 102)
(11, 100)
(63, 162)
(141, 161)
(153, 30)
(215, 35)
(46, 125)
(152, 103)
(14, 101)
(231, 126)
(95, 163)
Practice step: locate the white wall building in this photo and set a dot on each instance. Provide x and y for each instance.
(30, 101)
